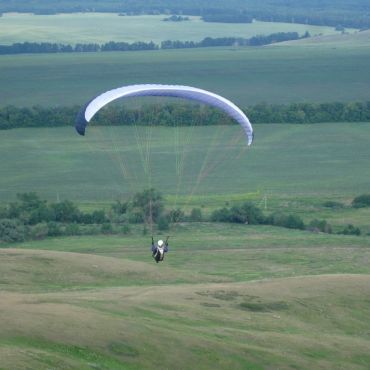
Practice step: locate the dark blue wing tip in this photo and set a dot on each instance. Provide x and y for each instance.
(80, 130)
(81, 123)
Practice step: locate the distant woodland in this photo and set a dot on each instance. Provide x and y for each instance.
(346, 13)
(186, 115)
(48, 47)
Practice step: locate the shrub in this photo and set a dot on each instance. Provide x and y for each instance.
(319, 225)
(12, 231)
(66, 211)
(39, 231)
(221, 215)
(150, 203)
(350, 230)
(72, 229)
(135, 217)
(247, 213)
(176, 215)
(361, 201)
(196, 215)
(119, 207)
(106, 228)
(99, 217)
(288, 221)
(163, 223)
(91, 230)
(54, 229)
(125, 229)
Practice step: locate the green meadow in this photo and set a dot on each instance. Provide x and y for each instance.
(104, 27)
(247, 76)
(322, 160)
(239, 297)
(295, 168)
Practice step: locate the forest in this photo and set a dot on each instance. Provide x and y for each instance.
(352, 13)
(186, 115)
(48, 47)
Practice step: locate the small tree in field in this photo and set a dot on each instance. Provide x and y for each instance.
(196, 215)
(149, 203)
(361, 201)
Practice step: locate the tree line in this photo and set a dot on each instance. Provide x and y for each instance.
(349, 13)
(47, 47)
(178, 114)
(30, 217)
(258, 40)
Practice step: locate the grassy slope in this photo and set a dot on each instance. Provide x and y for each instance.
(111, 307)
(102, 27)
(246, 76)
(358, 39)
(107, 162)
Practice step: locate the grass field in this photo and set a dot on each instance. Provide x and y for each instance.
(323, 160)
(246, 75)
(103, 27)
(226, 297)
(358, 39)
(290, 167)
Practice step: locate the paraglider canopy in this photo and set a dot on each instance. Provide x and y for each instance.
(177, 91)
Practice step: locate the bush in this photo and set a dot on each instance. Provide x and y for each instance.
(350, 230)
(361, 201)
(176, 215)
(221, 215)
(72, 229)
(135, 217)
(288, 221)
(319, 225)
(12, 231)
(125, 229)
(91, 230)
(119, 207)
(196, 215)
(150, 204)
(163, 223)
(66, 211)
(246, 213)
(106, 228)
(54, 229)
(39, 231)
(99, 217)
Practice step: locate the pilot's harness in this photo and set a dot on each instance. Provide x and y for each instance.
(159, 254)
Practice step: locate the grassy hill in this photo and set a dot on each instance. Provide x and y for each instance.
(101, 303)
(357, 39)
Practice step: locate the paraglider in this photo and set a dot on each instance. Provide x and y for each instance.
(159, 249)
(89, 110)
(177, 91)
